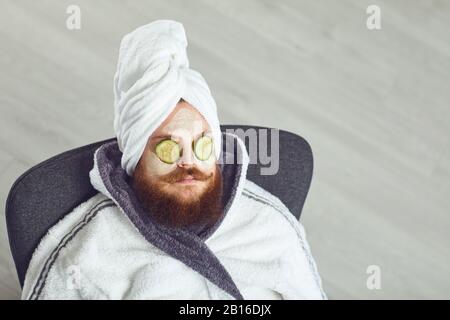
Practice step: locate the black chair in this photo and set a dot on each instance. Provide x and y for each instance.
(48, 191)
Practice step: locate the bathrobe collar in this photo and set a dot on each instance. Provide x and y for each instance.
(108, 177)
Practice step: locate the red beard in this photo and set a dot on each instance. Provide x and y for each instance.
(195, 214)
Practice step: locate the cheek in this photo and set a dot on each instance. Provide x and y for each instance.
(206, 165)
(156, 167)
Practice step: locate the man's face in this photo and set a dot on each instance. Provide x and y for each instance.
(189, 190)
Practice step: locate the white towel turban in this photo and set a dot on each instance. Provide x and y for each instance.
(152, 75)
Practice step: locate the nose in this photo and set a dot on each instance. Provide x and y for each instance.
(186, 159)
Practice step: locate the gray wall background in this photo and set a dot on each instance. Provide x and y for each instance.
(374, 105)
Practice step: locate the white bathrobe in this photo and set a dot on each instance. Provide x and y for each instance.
(107, 248)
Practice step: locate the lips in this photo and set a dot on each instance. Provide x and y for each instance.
(187, 179)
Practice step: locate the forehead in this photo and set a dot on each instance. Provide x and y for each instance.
(183, 119)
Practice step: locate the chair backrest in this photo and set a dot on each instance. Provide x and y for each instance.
(48, 191)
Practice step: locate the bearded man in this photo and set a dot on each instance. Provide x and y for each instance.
(173, 218)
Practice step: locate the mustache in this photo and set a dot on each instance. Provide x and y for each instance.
(182, 173)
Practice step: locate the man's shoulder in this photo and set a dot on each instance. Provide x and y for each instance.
(261, 217)
(73, 218)
(83, 208)
(259, 196)
(266, 206)
(57, 236)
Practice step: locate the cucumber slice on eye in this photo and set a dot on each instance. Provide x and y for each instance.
(168, 151)
(203, 148)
